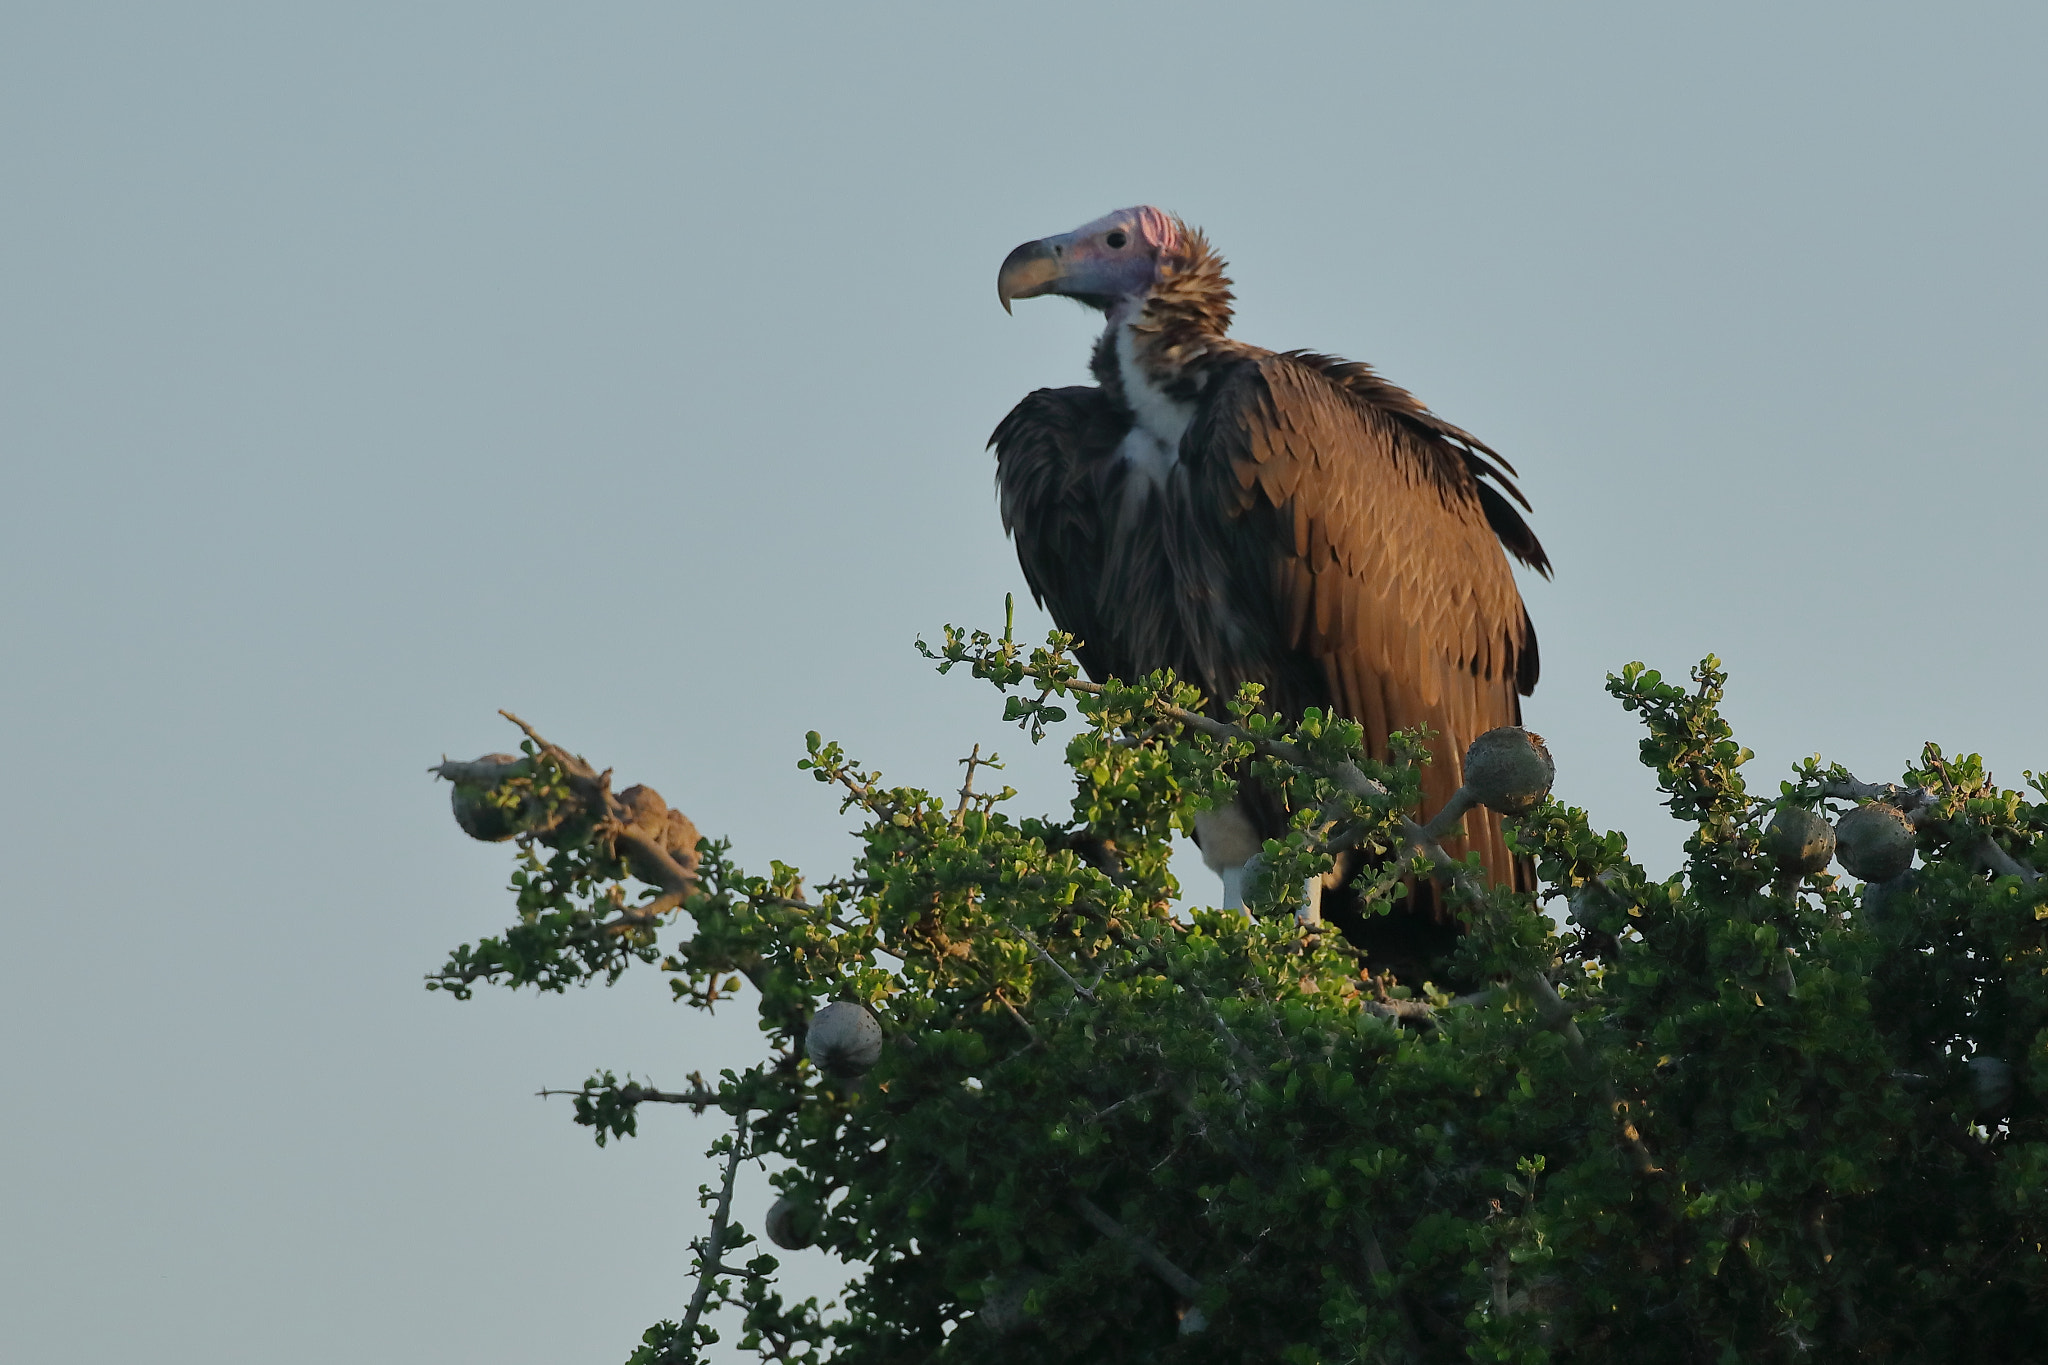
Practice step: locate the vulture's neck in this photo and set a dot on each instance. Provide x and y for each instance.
(1162, 346)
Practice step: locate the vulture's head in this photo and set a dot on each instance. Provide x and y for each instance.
(1118, 256)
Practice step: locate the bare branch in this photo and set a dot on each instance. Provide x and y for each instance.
(742, 1273)
(971, 762)
(710, 1248)
(1917, 804)
(1186, 1285)
(1376, 1264)
(1986, 853)
(570, 764)
(648, 856)
(1022, 1022)
(1049, 960)
(1230, 1040)
(1455, 809)
(1143, 1095)
(700, 1100)
(1423, 1010)
(479, 772)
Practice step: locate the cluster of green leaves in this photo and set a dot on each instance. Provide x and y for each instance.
(1725, 1116)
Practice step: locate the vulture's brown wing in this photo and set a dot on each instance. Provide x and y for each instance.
(1368, 529)
(1055, 464)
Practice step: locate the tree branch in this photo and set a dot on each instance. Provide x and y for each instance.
(1049, 960)
(481, 772)
(971, 762)
(1986, 853)
(1182, 1283)
(710, 1248)
(574, 766)
(1909, 800)
(700, 1100)
(1101, 1114)
(1922, 810)
(1376, 1265)
(1023, 1023)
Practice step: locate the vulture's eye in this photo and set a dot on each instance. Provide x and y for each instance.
(1116, 240)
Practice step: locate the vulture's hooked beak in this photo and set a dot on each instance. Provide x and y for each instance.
(1032, 269)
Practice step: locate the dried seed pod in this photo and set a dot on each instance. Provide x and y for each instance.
(844, 1039)
(1874, 842)
(1509, 770)
(1990, 1086)
(475, 813)
(791, 1224)
(1800, 841)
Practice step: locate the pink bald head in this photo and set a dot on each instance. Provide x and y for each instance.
(1115, 257)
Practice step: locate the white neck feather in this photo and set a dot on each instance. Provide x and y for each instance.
(1165, 418)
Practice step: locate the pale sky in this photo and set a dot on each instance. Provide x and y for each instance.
(366, 368)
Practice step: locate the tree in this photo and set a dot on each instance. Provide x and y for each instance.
(1750, 1112)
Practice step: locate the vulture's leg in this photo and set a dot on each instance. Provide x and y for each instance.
(1230, 844)
(1311, 912)
(1228, 840)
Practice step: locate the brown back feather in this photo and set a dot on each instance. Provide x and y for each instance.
(1367, 524)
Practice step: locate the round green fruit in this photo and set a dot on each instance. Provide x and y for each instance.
(474, 812)
(791, 1224)
(1875, 842)
(1509, 770)
(1800, 841)
(844, 1040)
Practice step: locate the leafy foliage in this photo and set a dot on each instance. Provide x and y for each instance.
(1738, 1114)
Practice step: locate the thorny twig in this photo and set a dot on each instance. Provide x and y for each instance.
(709, 1249)
(967, 793)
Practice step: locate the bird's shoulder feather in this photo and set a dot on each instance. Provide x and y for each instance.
(1055, 464)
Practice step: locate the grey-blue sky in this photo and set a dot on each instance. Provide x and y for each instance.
(367, 368)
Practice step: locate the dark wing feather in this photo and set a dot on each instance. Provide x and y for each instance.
(1366, 524)
(1514, 533)
(1055, 462)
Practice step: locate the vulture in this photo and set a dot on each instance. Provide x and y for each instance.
(1280, 517)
